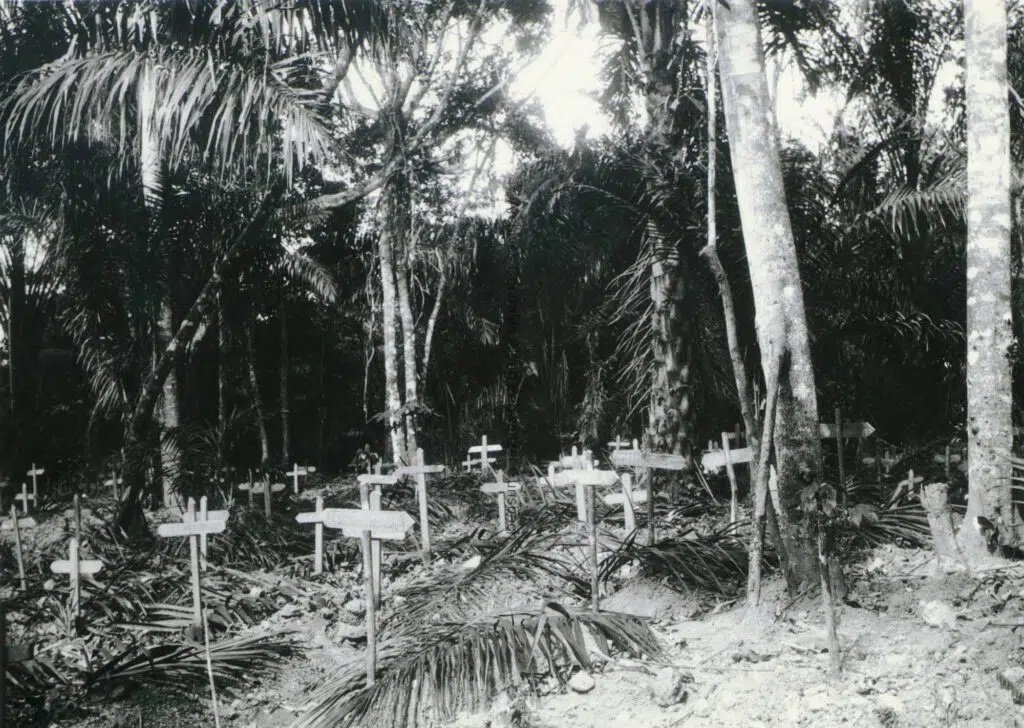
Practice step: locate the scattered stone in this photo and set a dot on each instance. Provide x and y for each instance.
(938, 614)
(348, 632)
(1012, 679)
(356, 607)
(581, 682)
(671, 686)
(890, 702)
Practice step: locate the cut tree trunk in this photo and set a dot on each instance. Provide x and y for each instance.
(774, 272)
(989, 318)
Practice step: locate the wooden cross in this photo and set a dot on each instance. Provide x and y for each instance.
(628, 498)
(264, 488)
(648, 461)
(948, 459)
(24, 496)
(296, 471)
(484, 450)
(367, 524)
(369, 500)
(619, 444)
(75, 568)
(192, 529)
(906, 485)
(33, 473)
(418, 470)
(189, 516)
(501, 488)
(316, 517)
(587, 482)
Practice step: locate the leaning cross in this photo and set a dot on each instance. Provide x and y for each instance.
(75, 568)
(193, 529)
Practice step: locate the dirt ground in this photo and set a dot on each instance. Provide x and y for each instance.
(918, 650)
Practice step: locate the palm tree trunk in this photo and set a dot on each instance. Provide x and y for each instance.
(989, 318)
(389, 324)
(222, 402)
(774, 273)
(257, 400)
(15, 351)
(286, 438)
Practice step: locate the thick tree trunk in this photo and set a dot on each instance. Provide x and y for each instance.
(286, 436)
(989, 319)
(257, 400)
(774, 272)
(390, 325)
(170, 408)
(16, 349)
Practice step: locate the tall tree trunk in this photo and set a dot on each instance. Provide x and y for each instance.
(286, 436)
(774, 273)
(16, 349)
(254, 392)
(151, 179)
(390, 325)
(989, 318)
(402, 248)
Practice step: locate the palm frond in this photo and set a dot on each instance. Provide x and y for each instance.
(458, 666)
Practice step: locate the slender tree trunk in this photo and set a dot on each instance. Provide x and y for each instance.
(390, 325)
(15, 352)
(989, 318)
(151, 179)
(254, 392)
(286, 437)
(402, 247)
(774, 272)
(435, 311)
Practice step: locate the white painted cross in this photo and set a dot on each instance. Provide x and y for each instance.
(850, 429)
(370, 501)
(619, 444)
(189, 516)
(716, 459)
(648, 461)
(114, 481)
(34, 473)
(418, 471)
(192, 529)
(24, 496)
(500, 488)
(367, 524)
(628, 498)
(75, 568)
(296, 471)
(264, 488)
(318, 535)
(484, 451)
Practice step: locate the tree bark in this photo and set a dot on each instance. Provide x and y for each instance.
(222, 401)
(402, 248)
(989, 318)
(389, 324)
(774, 271)
(286, 438)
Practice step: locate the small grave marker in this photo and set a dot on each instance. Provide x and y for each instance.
(24, 496)
(619, 444)
(189, 515)
(33, 473)
(906, 486)
(649, 461)
(114, 481)
(297, 471)
(75, 568)
(483, 450)
(370, 501)
(501, 488)
(948, 459)
(265, 489)
(192, 529)
(418, 471)
(318, 538)
(628, 498)
(849, 429)
(367, 524)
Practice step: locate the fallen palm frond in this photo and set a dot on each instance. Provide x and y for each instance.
(177, 662)
(454, 666)
(526, 554)
(716, 562)
(875, 526)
